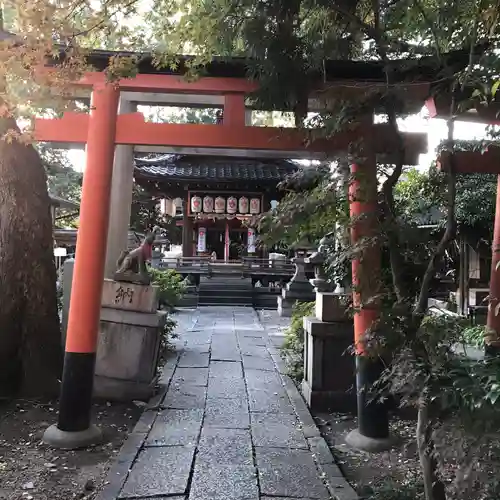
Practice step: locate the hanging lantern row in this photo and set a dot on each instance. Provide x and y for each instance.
(220, 206)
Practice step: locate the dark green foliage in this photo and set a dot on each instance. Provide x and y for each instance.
(293, 347)
(63, 180)
(460, 395)
(172, 286)
(422, 196)
(474, 335)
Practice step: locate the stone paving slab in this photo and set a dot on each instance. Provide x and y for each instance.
(262, 380)
(159, 471)
(257, 363)
(232, 425)
(226, 354)
(251, 341)
(221, 369)
(293, 473)
(224, 482)
(190, 376)
(227, 413)
(225, 447)
(226, 388)
(176, 427)
(255, 350)
(193, 359)
(277, 430)
(185, 397)
(269, 401)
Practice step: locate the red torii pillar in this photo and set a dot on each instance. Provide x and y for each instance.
(493, 341)
(372, 433)
(74, 428)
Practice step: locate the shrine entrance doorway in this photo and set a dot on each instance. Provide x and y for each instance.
(238, 243)
(215, 242)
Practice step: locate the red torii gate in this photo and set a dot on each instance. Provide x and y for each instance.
(478, 162)
(103, 128)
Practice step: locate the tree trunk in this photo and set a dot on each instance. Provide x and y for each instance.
(30, 342)
(434, 488)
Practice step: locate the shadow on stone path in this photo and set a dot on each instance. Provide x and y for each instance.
(231, 426)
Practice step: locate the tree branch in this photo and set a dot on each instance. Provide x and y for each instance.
(431, 27)
(450, 230)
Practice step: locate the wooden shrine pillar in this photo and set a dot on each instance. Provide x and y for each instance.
(121, 198)
(227, 241)
(187, 231)
(493, 323)
(74, 427)
(234, 110)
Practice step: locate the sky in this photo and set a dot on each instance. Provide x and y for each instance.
(436, 130)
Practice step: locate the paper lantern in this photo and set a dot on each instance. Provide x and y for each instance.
(232, 205)
(195, 204)
(220, 205)
(255, 206)
(243, 205)
(208, 204)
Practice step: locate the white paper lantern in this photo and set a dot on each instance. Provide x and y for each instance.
(195, 204)
(243, 205)
(208, 204)
(220, 205)
(232, 205)
(254, 206)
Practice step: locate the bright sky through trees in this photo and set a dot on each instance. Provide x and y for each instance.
(436, 132)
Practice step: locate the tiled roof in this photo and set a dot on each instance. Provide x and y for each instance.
(194, 167)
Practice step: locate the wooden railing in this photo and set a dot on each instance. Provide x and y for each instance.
(247, 266)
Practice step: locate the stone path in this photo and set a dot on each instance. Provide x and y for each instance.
(230, 426)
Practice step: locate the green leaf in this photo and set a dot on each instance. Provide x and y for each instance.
(495, 88)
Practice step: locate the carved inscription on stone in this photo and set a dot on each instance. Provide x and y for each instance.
(124, 294)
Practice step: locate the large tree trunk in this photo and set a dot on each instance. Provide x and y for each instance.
(30, 342)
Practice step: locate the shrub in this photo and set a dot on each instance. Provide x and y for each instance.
(293, 347)
(474, 335)
(171, 284)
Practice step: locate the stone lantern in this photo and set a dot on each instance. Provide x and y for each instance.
(298, 289)
(317, 260)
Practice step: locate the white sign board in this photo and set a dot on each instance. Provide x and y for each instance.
(60, 252)
(202, 239)
(251, 240)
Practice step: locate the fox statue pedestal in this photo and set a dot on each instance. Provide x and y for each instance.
(329, 370)
(129, 341)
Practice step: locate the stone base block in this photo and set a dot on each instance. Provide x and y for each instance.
(329, 401)
(285, 307)
(329, 369)
(64, 440)
(114, 389)
(357, 441)
(127, 354)
(301, 295)
(287, 299)
(299, 287)
(130, 296)
(330, 307)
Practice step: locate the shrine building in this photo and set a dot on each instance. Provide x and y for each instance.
(219, 199)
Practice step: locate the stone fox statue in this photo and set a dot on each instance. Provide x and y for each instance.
(131, 265)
